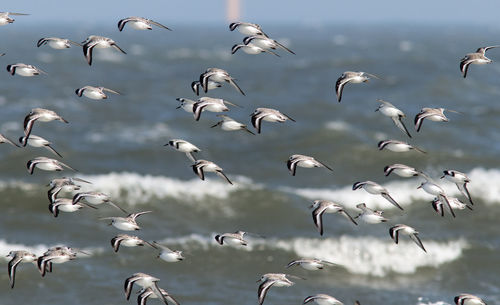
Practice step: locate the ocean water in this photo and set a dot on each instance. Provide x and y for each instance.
(117, 144)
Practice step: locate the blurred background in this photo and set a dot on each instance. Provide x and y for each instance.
(117, 144)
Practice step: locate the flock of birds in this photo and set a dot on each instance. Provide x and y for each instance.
(256, 42)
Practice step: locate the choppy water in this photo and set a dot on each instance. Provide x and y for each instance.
(118, 145)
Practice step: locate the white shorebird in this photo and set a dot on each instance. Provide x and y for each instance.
(36, 141)
(202, 166)
(168, 255)
(370, 216)
(219, 76)
(265, 42)
(322, 299)
(454, 202)
(185, 147)
(468, 299)
(394, 113)
(272, 279)
(460, 179)
(5, 19)
(145, 281)
(140, 23)
(310, 263)
(126, 240)
(247, 28)
(476, 58)
(196, 85)
(324, 206)
(24, 70)
(303, 161)
(126, 223)
(401, 170)
(432, 188)
(94, 41)
(232, 239)
(251, 49)
(210, 104)
(96, 198)
(351, 77)
(41, 115)
(95, 93)
(268, 115)
(46, 164)
(66, 205)
(404, 229)
(20, 256)
(398, 146)
(56, 43)
(229, 124)
(375, 189)
(186, 104)
(4, 139)
(56, 255)
(431, 114)
(146, 293)
(63, 184)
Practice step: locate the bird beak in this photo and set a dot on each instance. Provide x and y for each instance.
(442, 177)
(419, 187)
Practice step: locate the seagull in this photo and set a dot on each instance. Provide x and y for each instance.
(251, 49)
(351, 77)
(186, 104)
(477, 58)
(5, 19)
(468, 299)
(322, 299)
(230, 124)
(310, 264)
(324, 206)
(401, 170)
(247, 28)
(56, 255)
(370, 216)
(185, 147)
(397, 146)
(96, 198)
(202, 166)
(126, 240)
(272, 279)
(24, 70)
(375, 189)
(42, 115)
(36, 141)
(140, 23)
(455, 203)
(269, 115)
(265, 42)
(63, 184)
(219, 76)
(94, 41)
(95, 93)
(400, 228)
(146, 293)
(145, 281)
(4, 139)
(46, 164)
(432, 114)
(56, 43)
(20, 256)
(394, 113)
(432, 188)
(303, 161)
(232, 239)
(168, 255)
(66, 205)
(210, 85)
(210, 104)
(126, 223)
(460, 179)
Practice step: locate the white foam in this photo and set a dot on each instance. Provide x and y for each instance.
(39, 249)
(338, 125)
(422, 301)
(358, 255)
(132, 134)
